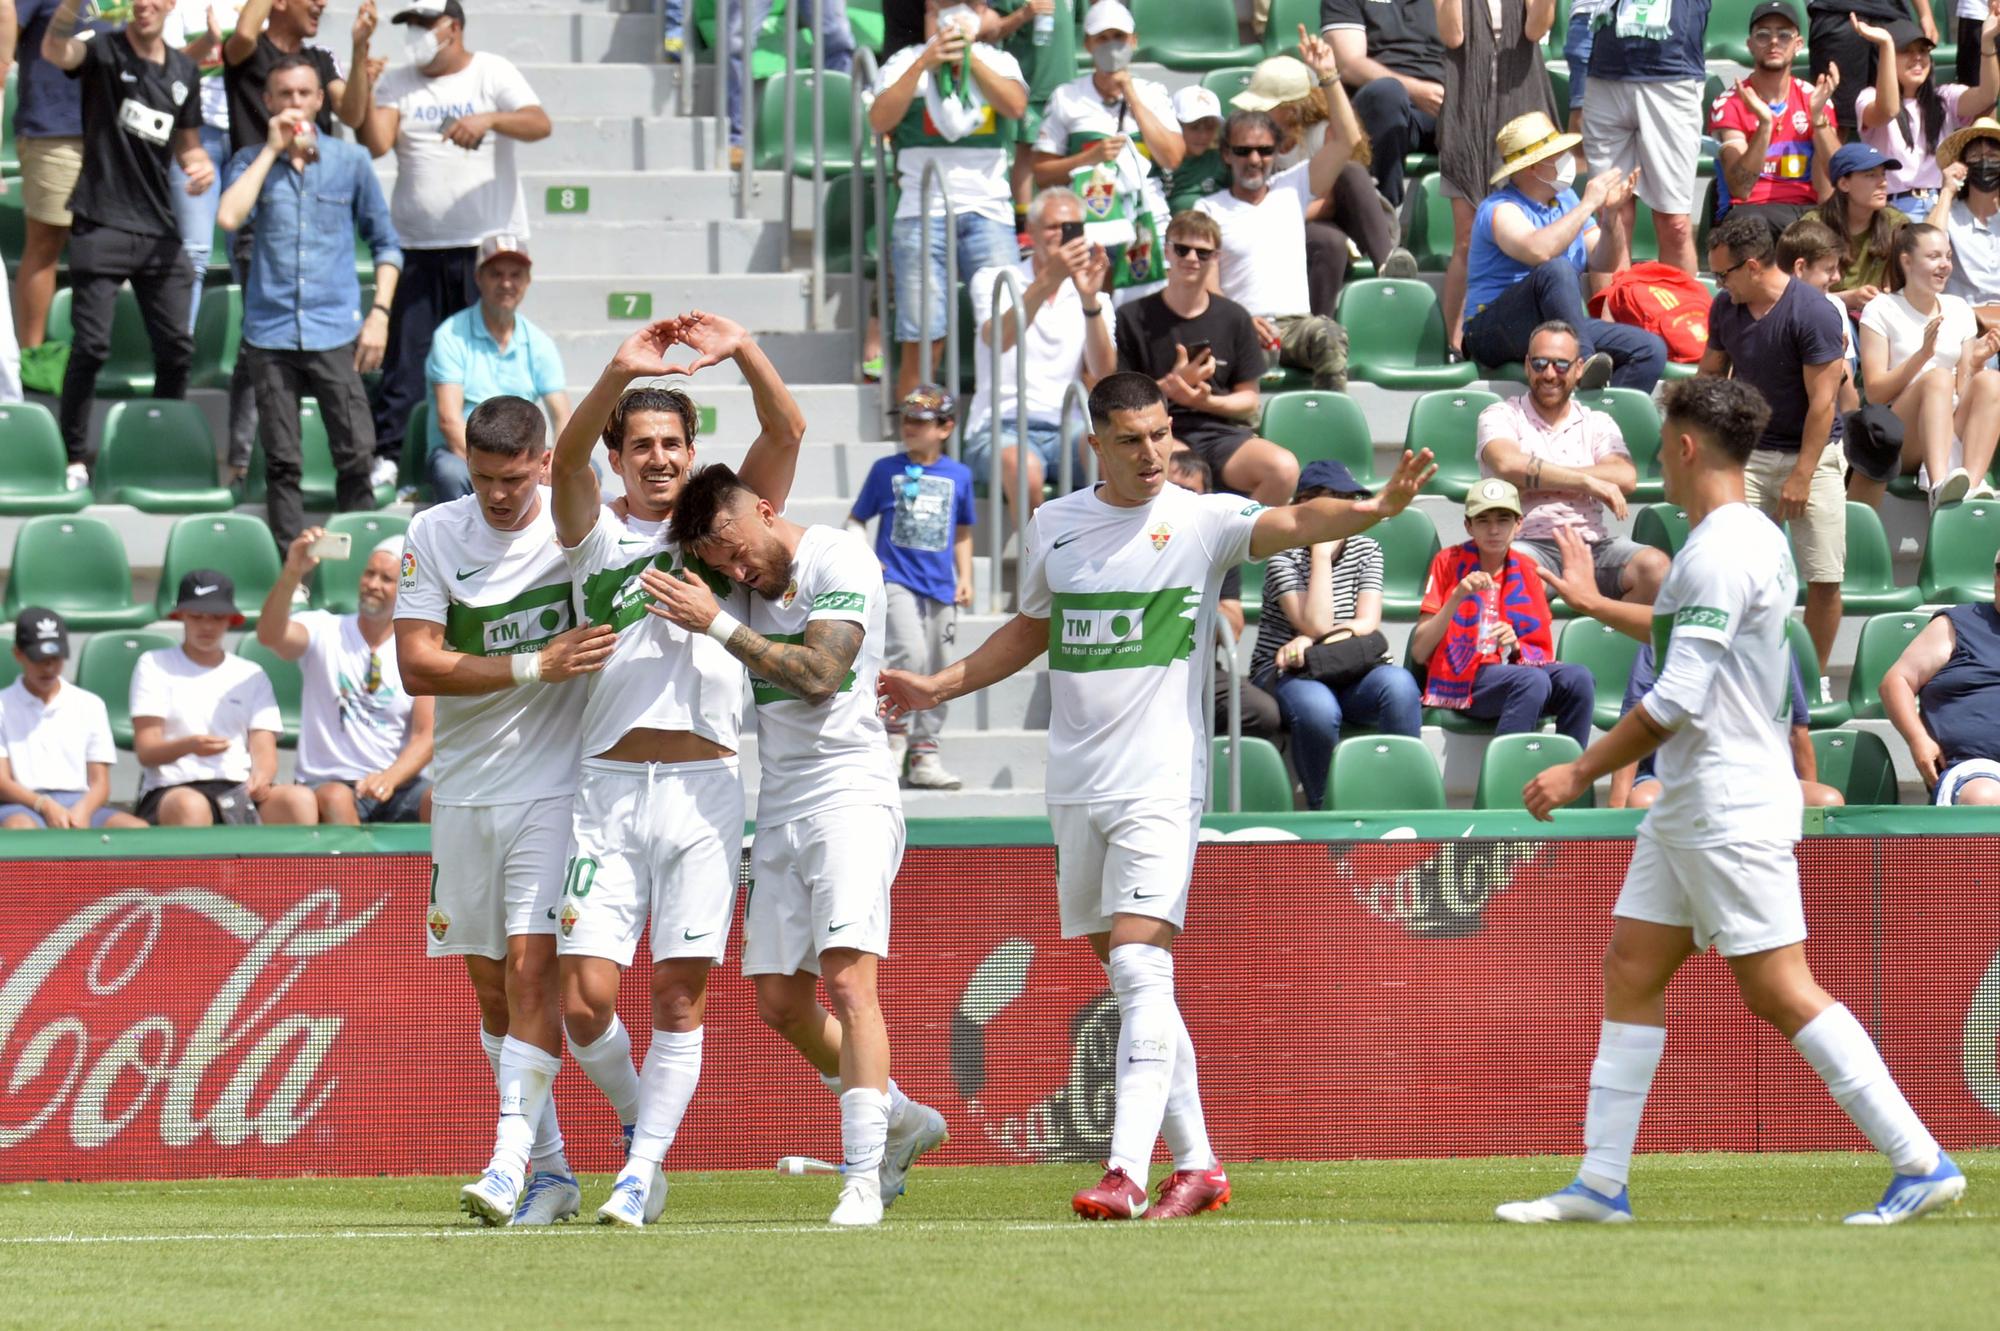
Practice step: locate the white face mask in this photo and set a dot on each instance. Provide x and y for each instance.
(421, 46)
(1565, 171)
(960, 16)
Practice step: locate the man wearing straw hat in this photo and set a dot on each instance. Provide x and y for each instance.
(1968, 208)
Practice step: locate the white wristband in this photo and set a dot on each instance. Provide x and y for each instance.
(723, 627)
(527, 667)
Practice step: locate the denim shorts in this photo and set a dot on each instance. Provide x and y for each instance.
(982, 243)
(1044, 438)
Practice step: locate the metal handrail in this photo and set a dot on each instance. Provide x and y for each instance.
(933, 177)
(1006, 280)
(1226, 660)
(721, 77)
(884, 226)
(684, 85)
(791, 138)
(819, 165)
(747, 104)
(1076, 400)
(858, 133)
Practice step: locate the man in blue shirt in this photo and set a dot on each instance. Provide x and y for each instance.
(304, 329)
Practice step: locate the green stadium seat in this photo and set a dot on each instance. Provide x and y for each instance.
(837, 224)
(1315, 425)
(319, 483)
(1883, 639)
(1251, 573)
(1447, 423)
(1429, 233)
(232, 543)
(13, 225)
(10, 670)
(1267, 786)
(1281, 33)
(770, 135)
(287, 681)
(33, 464)
(1395, 336)
(767, 59)
(104, 667)
(1857, 764)
(1409, 542)
(218, 333)
(1512, 761)
(1608, 655)
(158, 456)
(74, 565)
(1224, 83)
(337, 582)
(1385, 772)
(1958, 553)
(10, 158)
(1191, 36)
(1820, 714)
(1559, 87)
(1662, 526)
(1870, 585)
(411, 469)
(1639, 424)
(128, 369)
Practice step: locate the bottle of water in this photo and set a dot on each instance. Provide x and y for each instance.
(1045, 27)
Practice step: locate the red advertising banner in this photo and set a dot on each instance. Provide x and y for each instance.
(275, 1015)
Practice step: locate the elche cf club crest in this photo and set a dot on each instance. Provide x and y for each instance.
(1160, 535)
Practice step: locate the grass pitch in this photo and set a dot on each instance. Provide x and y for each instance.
(1722, 1240)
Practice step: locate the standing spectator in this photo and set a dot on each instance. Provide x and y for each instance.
(453, 117)
(839, 55)
(1204, 352)
(1573, 465)
(1041, 35)
(1836, 46)
(194, 27)
(205, 723)
(1775, 133)
(1780, 336)
(1390, 56)
(1905, 115)
(1970, 200)
(922, 505)
(1642, 112)
(488, 350)
(1952, 671)
(55, 738)
(1202, 171)
(1259, 716)
(266, 32)
(304, 330)
(1858, 211)
(140, 113)
(945, 102)
(1534, 244)
(1972, 16)
(48, 133)
(1310, 594)
(363, 741)
(1484, 629)
(1068, 313)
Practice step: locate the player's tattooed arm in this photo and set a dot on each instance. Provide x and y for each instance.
(812, 670)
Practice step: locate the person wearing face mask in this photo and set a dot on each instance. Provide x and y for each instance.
(1969, 203)
(1535, 244)
(452, 116)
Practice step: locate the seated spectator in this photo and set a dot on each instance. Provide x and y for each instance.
(1066, 303)
(55, 738)
(1311, 594)
(363, 742)
(489, 349)
(1637, 787)
(1858, 211)
(1642, 114)
(205, 723)
(1811, 253)
(1570, 464)
(1969, 163)
(1259, 717)
(1534, 245)
(1391, 59)
(933, 112)
(1952, 671)
(922, 505)
(1775, 133)
(1483, 629)
(1923, 354)
(304, 331)
(1204, 352)
(1905, 115)
(1202, 171)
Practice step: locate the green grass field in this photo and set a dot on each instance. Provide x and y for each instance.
(1723, 1240)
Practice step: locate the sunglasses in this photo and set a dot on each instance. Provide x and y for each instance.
(1201, 252)
(913, 480)
(1254, 150)
(1542, 364)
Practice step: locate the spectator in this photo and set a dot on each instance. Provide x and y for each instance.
(922, 506)
(1205, 353)
(1969, 162)
(55, 738)
(488, 350)
(1065, 303)
(1312, 594)
(1905, 115)
(304, 330)
(1534, 243)
(363, 742)
(139, 113)
(1202, 171)
(266, 32)
(1952, 671)
(1922, 353)
(1041, 36)
(453, 117)
(1972, 17)
(1259, 715)
(952, 101)
(1390, 57)
(194, 27)
(48, 133)
(1642, 114)
(205, 723)
(1109, 136)
(1775, 133)
(1484, 629)
(1837, 47)
(1571, 464)
(1810, 252)
(839, 55)
(1858, 211)
(1778, 335)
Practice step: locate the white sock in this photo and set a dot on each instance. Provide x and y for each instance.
(864, 1131)
(1185, 1126)
(547, 1150)
(1847, 1061)
(1620, 1078)
(526, 1076)
(898, 1102)
(491, 1044)
(1142, 977)
(607, 1061)
(666, 1085)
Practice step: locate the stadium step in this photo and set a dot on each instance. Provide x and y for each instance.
(765, 302)
(805, 361)
(623, 143)
(651, 196)
(719, 246)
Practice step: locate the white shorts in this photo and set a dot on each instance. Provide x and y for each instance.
(818, 882)
(496, 871)
(1741, 898)
(1655, 126)
(1123, 857)
(1955, 776)
(656, 842)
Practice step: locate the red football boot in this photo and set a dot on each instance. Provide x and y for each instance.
(1187, 1192)
(1114, 1197)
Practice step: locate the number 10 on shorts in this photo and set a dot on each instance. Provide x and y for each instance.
(582, 874)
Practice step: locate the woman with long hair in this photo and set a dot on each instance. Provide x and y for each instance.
(1858, 211)
(1906, 114)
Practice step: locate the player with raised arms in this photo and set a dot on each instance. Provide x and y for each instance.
(1118, 586)
(1713, 864)
(483, 622)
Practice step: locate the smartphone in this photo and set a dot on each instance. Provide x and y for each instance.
(1071, 231)
(333, 545)
(1197, 350)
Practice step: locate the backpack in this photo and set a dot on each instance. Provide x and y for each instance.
(1663, 300)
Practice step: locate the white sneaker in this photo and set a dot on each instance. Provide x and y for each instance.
(491, 1200)
(927, 773)
(549, 1199)
(1980, 491)
(899, 751)
(656, 1195)
(78, 476)
(860, 1203)
(1576, 1202)
(1952, 489)
(922, 1129)
(385, 473)
(630, 1203)
(1399, 263)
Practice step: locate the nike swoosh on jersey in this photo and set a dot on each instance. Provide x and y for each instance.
(1062, 541)
(836, 928)
(465, 573)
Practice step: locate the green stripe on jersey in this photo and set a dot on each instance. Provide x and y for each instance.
(840, 601)
(523, 624)
(616, 597)
(766, 692)
(1091, 631)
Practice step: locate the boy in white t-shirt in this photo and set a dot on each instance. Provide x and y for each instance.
(55, 738)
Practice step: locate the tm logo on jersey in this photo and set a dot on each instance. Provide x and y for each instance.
(1121, 630)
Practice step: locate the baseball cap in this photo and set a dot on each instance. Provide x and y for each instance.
(1873, 441)
(1492, 493)
(1905, 32)
(1195, 102)
(428, 12)
(930, 402)
(1327, 474)
(1108, 16)
(207, 591)
(1773, 9)
(1852, 157)
(41, 634)
(505, 244)
(1274, 82)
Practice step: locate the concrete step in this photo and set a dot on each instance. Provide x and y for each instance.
(624, 196)
(563, 247)
(763, 302)
(623, 143)
(590, 89)
(824, 360)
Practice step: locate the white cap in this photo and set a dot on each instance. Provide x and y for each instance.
(391, 546)
(1108, 16)
(1195, 102)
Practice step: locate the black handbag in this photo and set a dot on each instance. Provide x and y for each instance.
(1338, 661)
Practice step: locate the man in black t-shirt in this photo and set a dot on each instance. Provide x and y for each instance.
(1393, 65)
(255, 46)
(141, 111)
(1204, 351)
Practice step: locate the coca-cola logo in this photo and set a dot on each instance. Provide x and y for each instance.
(243, 1070)
(1444, 893)
(1982, 1040)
